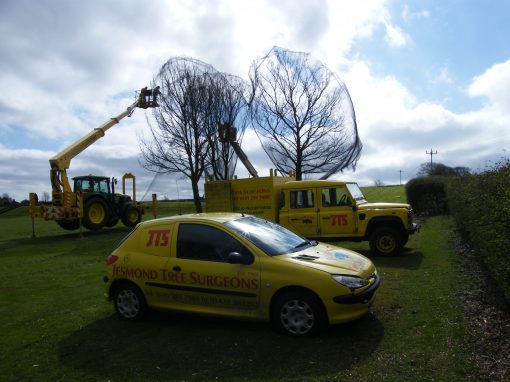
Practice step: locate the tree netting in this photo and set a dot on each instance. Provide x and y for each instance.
(303, 114)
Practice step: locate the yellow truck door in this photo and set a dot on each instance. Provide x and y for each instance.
(337, 217)
(303, 213)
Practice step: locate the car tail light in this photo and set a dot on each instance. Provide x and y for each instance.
(111, 259)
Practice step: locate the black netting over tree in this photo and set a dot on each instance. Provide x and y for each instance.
(229, 103)
(303, 115)
(194, 99)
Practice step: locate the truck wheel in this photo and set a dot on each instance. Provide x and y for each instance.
(69, 225)
(95, 214)
(298, 313)
(131, 216)
(386, 241)
(129, 302)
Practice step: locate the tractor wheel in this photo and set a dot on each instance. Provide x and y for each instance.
(131, 216)
(386, 242)
(69, 225)
(112, 222)
(95, 214)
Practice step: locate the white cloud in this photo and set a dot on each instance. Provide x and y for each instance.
(494, 85)
(443, 76)
(410, 16)
(395, 36)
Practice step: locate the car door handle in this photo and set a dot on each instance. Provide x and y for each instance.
(176, 268)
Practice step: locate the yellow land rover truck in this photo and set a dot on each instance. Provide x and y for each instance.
(317, 209)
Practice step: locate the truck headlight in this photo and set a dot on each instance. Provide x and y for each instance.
(351, 282)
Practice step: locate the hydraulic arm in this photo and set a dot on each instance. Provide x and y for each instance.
(61, 162)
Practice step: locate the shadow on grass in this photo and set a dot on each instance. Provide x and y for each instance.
(408, 259)
(173, 346)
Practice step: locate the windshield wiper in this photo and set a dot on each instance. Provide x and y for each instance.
(306, 244)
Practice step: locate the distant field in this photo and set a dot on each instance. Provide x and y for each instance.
(56, 325)
(387, 194)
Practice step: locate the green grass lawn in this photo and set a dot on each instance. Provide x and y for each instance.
(56, 326)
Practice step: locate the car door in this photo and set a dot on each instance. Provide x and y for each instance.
(203, 279)
(302, 216)
(336, 213)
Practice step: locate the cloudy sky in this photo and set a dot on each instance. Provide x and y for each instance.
(423, 75)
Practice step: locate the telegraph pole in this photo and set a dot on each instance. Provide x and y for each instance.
(431, 153)
(400, 171)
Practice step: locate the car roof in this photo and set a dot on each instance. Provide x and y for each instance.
(218, 217)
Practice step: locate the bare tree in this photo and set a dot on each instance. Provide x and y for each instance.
(179, 141)
(228, 100)
(303, 114)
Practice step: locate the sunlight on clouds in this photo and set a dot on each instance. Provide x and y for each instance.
(443, 76)
(410, 16)
(395, 36)
(494, 84)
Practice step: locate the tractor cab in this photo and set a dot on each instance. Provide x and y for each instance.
(92, 183)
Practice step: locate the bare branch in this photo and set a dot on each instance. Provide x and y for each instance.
(303, 114)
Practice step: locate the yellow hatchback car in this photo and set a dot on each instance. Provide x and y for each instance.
(234, 265)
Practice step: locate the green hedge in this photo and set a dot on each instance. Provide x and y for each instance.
(480, 205)
(427, 195)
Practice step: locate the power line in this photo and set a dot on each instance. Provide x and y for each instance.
(431, 153)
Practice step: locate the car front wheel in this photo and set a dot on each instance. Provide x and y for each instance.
(129, 302)
(298, 313)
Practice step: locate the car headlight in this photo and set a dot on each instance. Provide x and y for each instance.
(351, 282)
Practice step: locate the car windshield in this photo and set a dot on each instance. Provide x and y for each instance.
(271, 238)
(356, 192)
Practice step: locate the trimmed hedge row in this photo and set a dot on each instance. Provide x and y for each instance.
(427, 195)
(480, 205)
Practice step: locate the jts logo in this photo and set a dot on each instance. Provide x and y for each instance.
(339, 220)
(158, 238)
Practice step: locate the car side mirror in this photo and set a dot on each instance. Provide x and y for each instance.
(237, 258)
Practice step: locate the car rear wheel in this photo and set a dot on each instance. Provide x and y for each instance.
(298, 313)
(386, 241)
(129, 302)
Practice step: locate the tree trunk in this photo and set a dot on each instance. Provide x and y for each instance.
(196, 196)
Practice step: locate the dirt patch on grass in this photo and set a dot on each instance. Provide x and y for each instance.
(487, 317)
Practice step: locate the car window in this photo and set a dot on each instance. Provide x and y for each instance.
(203, 242)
